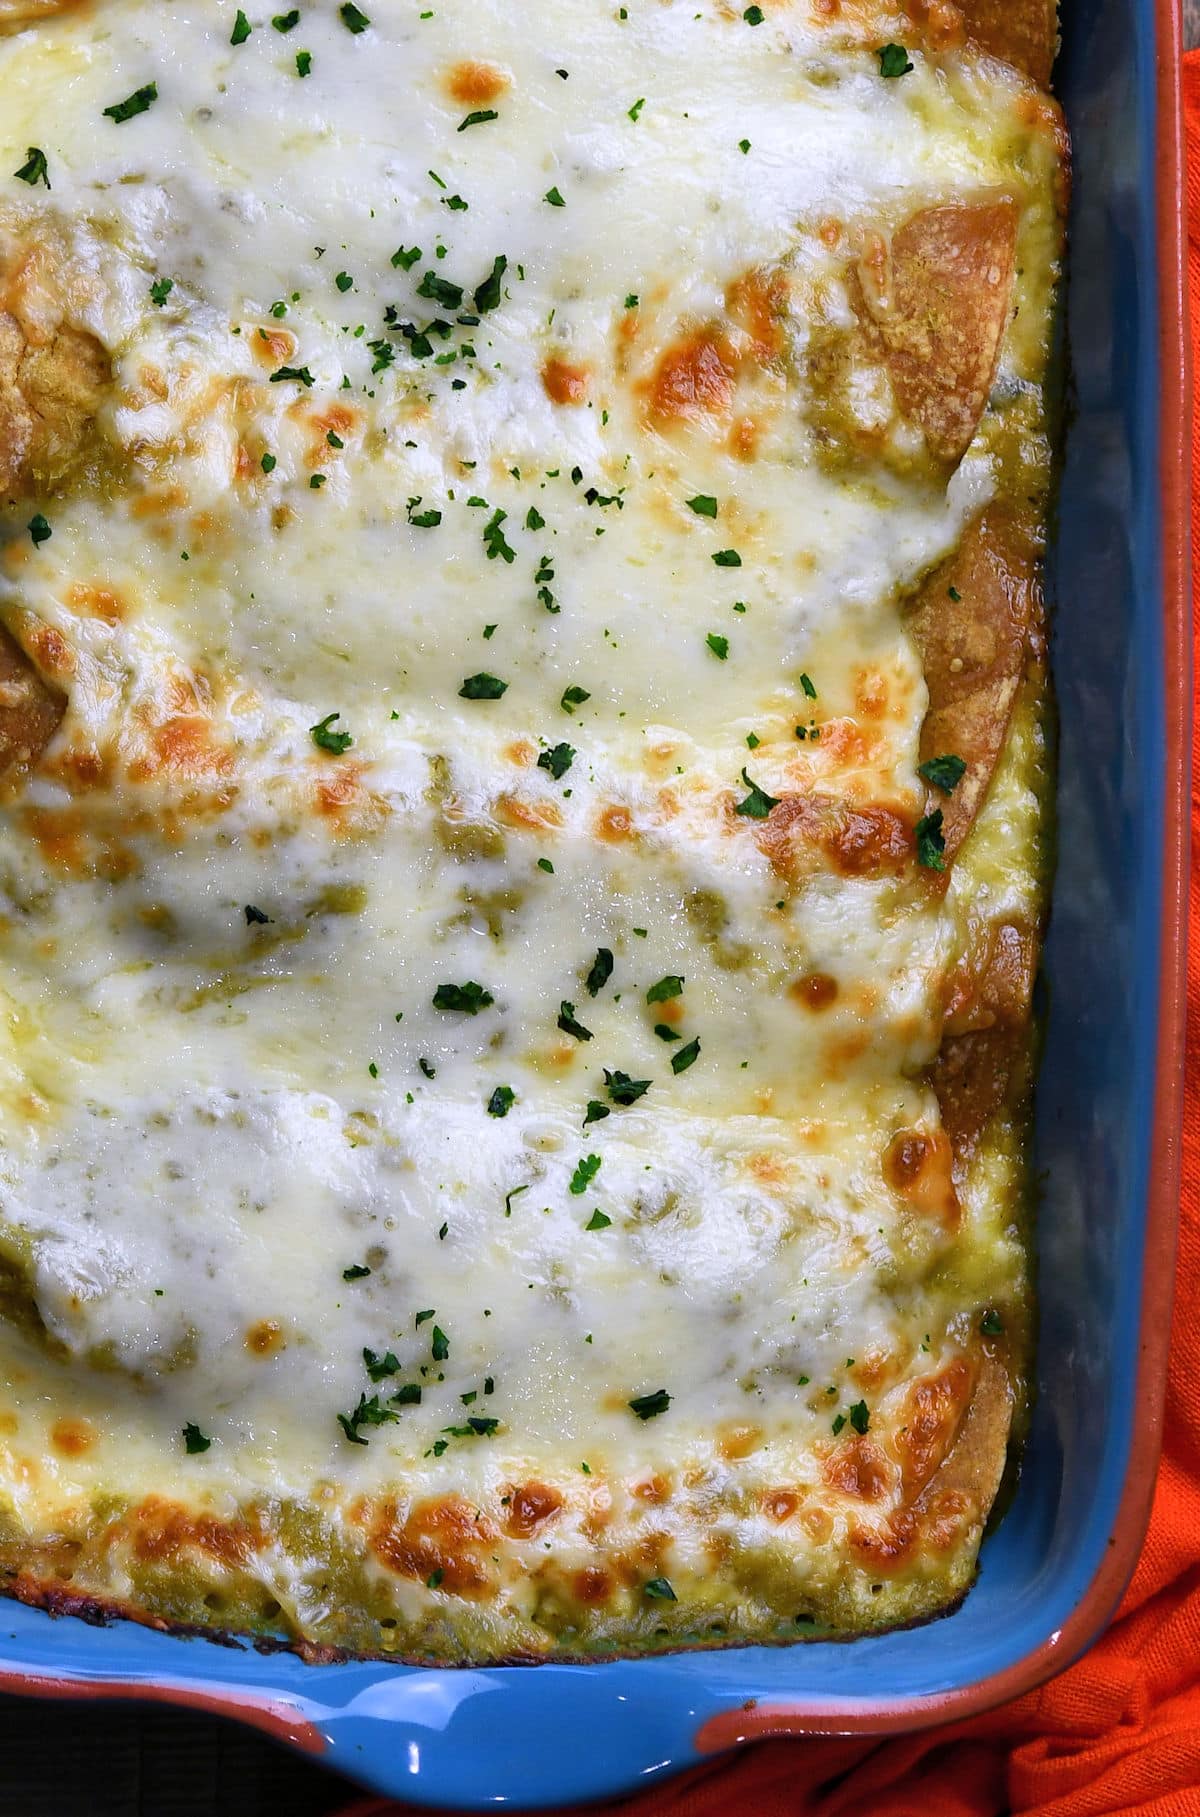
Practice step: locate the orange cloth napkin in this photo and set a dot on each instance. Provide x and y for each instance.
(1120, 1731)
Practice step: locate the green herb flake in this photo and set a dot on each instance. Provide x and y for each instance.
(586, 1170)
(743, 146)
(328, 740)
(599, 973)
(572, 698)
(433, 1581)
(440, 1344)
(39, 529)
(301, 374)
(494, 542)
(636, 110)
(596, 1112)
(268, 463)
(718, 645)
(501, 1101)
(544, 864)
(407, 1395)
(379, 1368)
(554, 197)
(703, 505)
(405, 257)
(482, 687)
(944, 773)
(954, 594)
(860, 1418)
(488, 295)
(468, 999)
(353, 20)
(665, 989)
(344, 282)
(622, 1089)
(893, 60)
(286, 22)
(758, 804)
(568, 1023)
(356, 1272)
(480, 117)
(660, 1590)
(241, 28)
(160, 290)
(534, 519)
(727, 558)
(136, 103)
(35, 169)
(687, 1056)
(931, 843)
(194, 1440)
(665, 1032)
(839, 1420)
(648, 1406)
(598, 1221)
(991, 1324)
(754, 15)
(558, 761)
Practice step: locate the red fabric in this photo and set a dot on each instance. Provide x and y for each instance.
(1120, 1731)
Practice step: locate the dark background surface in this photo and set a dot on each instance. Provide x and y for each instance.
(106, 1760)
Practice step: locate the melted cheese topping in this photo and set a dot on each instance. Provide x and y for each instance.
(415, 1009)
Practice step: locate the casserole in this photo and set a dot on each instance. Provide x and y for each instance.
(1133, 781)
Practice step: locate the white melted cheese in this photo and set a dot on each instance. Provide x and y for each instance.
(208, 1121)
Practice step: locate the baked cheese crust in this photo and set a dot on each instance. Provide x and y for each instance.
(522, 724)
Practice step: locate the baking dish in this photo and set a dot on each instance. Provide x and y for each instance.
(1107, 1136)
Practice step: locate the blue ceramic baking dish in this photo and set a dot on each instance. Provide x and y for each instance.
(1107, 1130)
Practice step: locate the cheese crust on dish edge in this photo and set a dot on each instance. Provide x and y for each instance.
(522, 711)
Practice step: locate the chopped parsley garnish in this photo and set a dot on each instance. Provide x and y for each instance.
(686, 1056)
(379, 1368)
(480, 116)
(267, 463)
(597, 1221)
(544, 864)
(568, 1023)
(317, 481)
(600, 971)
(931, 843)
(585, 1172)
(422, 1317)
(743, 145)
(572, 698)
(754, 15)
(658, 1587)
(455, 204)
(39, 529)
(632, 300)
(665, 989)
(758, 804)
(477, 1426)
(406, 257)
(284, 22)
(385, 353)
(334, 440)
(944, 773)
(160, 290)
(991, 1324)
(423, 520)
(482, 687)
(510, 1196)
(440, 290)
(353, 20)
(558, 761)
(407, 1395)
(718, 645)
(367, 1413)
(752, 741)
(433, 1581)
(806, 682)
(554, 197)
(596, 1112)
(501, 1101)
(137, 103)
(839, 1420)
(954, 594)
(488, 295)
(301, 374)
(860, 1418)
(356, 1272)
(321, 734)
(344, 282)
(727, 558)
(893, 60)
(469, 998)
(441, 1345)
(34, 170)
(541, 579)
(494, 541)
(304, 63)
(194, 1440)
(241, 28)
(636, 109)
(254, 916)
(703, 505)
(429, 1071)
(534, 519)
(665, 1032)
(624, 1090)
(646, 1406)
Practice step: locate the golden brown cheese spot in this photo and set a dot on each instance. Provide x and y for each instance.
(928, 1422)
(654, 1489)
(859, 1467)
(531, 1507)
(72, 1437)
(265, 1338)
(744, 438)
(272, 346)
(615, 825)
(857, 841)
(970, 623)
(93, 601)
(739, 1441)
(564, 383)
(473, 84)
(527, 816)
(15, 15)
(693, 381)
(592, 1586)
(161, 1531)
(1022, 32)
(918, 1166)
(335, 419)
(815, 991)
(30, 712)
(779, 1505)
(757, 305)
(935, 306)
(445, 1534)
